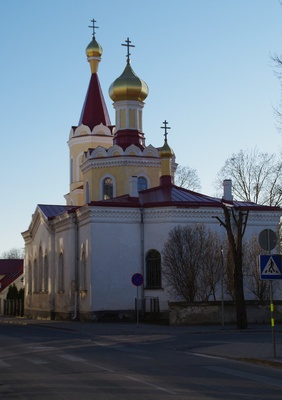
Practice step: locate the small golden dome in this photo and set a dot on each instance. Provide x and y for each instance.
(94, 49)
(166, 151)
(128, 87)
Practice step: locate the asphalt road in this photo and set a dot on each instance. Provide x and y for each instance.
(116, 361)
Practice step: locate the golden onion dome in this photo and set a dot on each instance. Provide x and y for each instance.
(166, 151)
(94, 49)
(94, 52)
(128, 87)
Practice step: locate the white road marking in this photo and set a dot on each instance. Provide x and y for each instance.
(150, 384)
(72, 358)
(37, 361)
(206, 356)
(100, 367)
(4, 364)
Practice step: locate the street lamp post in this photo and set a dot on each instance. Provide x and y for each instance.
(222, 291)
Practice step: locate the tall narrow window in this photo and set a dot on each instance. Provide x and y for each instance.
(107, 188)
(40, 270)
(35, 276)
(83, 272)
(153, 270)
(29, 277)
(71, 170)
(61, 273)
(142, 183)
(45, 274)
(87, 196)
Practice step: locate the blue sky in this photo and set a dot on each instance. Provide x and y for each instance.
(206, 62)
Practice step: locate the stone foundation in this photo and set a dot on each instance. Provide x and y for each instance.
(211, 313)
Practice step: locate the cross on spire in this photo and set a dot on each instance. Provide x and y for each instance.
(127, 41)
(93, 27)
(165, 127)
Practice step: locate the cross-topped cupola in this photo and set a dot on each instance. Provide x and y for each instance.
(93, 27)
(128, 45)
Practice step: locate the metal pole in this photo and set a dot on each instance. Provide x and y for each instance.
(271, 302)
(272, 320)
(137, 308)
(222, 295)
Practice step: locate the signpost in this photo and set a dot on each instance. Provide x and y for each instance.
(267, 239)
(137, 280)
(270, 269)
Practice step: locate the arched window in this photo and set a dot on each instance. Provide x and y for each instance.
(40, 270)
(45, 274)
(83, 272)
(87, 195)
(29, 277)
(142, 183)
(153, 270)
(107, 188)
(35, 276)
(71, 170)
(61, 273)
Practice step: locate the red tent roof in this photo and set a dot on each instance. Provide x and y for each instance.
(94, 111)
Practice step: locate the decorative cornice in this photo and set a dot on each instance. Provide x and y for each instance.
(90, 139)
(118, 161)
(108, 214)
(181, 215)
(173, 215)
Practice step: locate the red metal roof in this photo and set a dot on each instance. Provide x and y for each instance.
(51, 211)
(11, 269)
(94, 111)
(171, 195)
(167, 195)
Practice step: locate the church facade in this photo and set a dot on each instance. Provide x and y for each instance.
(122, 204)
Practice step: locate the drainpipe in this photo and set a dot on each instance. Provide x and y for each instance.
(52, 274)
(142, 249)
(76, 288)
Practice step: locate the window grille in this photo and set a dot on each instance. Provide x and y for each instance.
(108, 189)
(153, 269)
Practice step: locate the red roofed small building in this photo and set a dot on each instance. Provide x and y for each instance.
(121, 206)
(11, 272)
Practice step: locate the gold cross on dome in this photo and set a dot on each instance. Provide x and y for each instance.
(93, 27)
(127, 44)
(165, 127)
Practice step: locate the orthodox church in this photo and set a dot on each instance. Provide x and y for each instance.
(122, 204)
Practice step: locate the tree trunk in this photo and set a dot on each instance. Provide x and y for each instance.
(242, 322)
(236, 243)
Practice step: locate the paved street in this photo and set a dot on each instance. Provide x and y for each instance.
(61, 360)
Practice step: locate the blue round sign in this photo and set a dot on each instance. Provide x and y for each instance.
(137, 279)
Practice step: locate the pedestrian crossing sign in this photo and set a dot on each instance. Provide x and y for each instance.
(270, 266)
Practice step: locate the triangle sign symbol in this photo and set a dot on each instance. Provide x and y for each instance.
(271, 268)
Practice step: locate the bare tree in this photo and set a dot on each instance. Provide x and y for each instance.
(191, 260)
(235, 223)
(277, 110)
(187, 178)
(13, 253)
(255, 176)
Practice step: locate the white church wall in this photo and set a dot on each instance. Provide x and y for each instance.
(36, 300)
(65, 252)
(158, 224)
(114, 256)
(114, 267)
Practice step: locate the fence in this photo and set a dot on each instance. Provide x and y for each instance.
(14, 307)
(149, 308)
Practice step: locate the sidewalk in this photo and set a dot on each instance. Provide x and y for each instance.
(256, 352)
